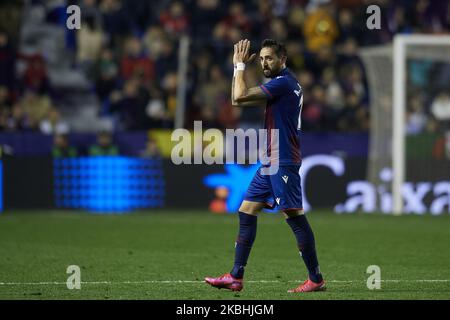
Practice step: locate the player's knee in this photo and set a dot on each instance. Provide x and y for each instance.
(250, 207)
(248, 210)
(292, 213)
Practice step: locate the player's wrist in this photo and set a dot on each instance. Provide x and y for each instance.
(239, 66)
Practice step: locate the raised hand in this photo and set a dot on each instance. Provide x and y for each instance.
(241, 52)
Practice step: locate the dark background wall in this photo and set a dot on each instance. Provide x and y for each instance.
(28, 182)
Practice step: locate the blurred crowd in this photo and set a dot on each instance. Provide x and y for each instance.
(105, 144)
(129, 51)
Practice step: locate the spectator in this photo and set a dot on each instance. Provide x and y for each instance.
(169, 85)
(324, 58)
(296, 55)
(90, 39)
(143, 13)
(353, 83)
(440, 109)
(205, 14)
(278, 30)
(353, 116)
(237, 18)
(105, 73)
(151, 149)
(53, 123)
(156, 110)
(104, 146)
(153, 41)
(35, 77)
(5, 108)
(320, 28)
(264, 15)
(36, 107)
(306, 79)
(212, 94)
(4, 118)
(167, 60)
(347, 26)
(348, 53)
(174, 20)
(313, 112)
(130, 105)
(334, 94)
(91, 12)
(296, 19)
(61, 147)
(5, 99)
(7, 61)
(135, 62)
(18, 121)
(116, 21)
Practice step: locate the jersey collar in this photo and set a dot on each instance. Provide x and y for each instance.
(283, 72)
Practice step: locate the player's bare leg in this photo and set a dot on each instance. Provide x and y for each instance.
(247, 233)
(306, 244)
(251, 207)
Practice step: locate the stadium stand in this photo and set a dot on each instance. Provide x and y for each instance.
(119, 71)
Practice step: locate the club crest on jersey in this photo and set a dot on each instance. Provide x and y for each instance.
(285, 178)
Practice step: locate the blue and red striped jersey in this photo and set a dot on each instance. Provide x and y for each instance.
(283, 112)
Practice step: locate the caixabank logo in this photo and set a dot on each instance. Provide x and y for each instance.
(359, 195)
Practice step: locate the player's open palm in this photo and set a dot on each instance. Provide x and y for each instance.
(242, 52)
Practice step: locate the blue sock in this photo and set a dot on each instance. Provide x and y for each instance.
(244, 242)
(306, 245)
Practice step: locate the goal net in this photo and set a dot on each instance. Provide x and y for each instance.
(409, 147)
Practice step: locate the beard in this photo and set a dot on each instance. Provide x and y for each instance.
(271, 72)
(267, 73)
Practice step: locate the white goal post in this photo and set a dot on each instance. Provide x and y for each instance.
(400, 45)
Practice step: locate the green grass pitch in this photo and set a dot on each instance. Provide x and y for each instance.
(166, 255)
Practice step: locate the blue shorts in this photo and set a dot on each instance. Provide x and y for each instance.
(282, 190)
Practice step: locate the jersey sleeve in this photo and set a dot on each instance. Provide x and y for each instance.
(275, 87)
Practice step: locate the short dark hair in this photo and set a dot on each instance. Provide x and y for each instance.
(279, 48)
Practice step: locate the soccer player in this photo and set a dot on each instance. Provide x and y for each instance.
(284, 99)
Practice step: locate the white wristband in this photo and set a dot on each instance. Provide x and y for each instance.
(240, 66)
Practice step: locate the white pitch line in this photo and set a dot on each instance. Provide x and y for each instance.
(198, 281)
